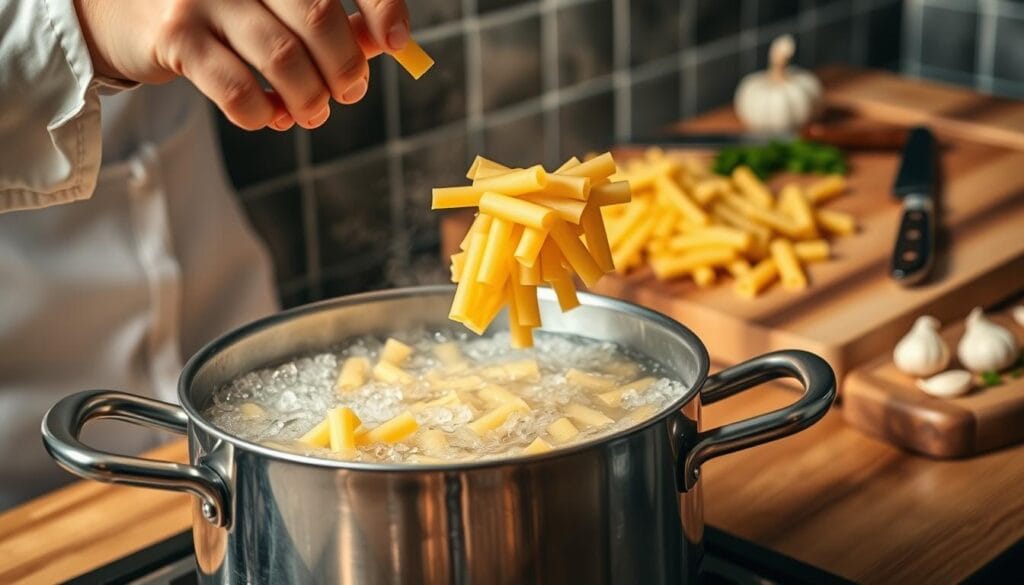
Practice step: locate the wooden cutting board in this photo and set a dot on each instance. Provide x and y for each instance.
(885, 402)
(853, 311)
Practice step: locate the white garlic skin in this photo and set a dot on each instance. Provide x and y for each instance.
(922, 351)
(1018, 315)
(985, 345)
(781, 99)
(947, 384)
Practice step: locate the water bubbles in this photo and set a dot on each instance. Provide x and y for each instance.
(632, 399)
(285, 374)
(295, 396)
(288, 402)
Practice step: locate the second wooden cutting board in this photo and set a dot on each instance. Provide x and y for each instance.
(886, 403)
(853, 311)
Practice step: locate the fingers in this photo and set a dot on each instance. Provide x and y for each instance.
(324, 29)
(282, 119)
(222, 76)
(363, 37)
(387, 21)
(281, 57)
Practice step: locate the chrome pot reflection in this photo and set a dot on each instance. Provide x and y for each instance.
(625, 508)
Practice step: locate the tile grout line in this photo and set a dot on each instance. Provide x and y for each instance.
(399, 252)
(1011, 9)
(265, 187)
(621, 81)
(909, 33)
(474, 76)
(859, 31)
(307, 189)
(985, 59)
(749, 35)
(687, 14)
(551, 81)
(809, 25)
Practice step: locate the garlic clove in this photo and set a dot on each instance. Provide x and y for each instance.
(986, 346)
(1018, 315)
(948, 384)
(922, 351)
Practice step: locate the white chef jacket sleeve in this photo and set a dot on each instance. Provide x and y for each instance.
(49, 106)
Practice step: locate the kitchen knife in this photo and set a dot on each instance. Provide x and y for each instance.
(915, 185)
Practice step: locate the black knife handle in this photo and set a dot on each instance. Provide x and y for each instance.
(915, 242)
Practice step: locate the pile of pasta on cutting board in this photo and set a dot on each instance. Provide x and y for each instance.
(533, 228)
(687, 222)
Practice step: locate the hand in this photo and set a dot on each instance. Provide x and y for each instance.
(307, 50)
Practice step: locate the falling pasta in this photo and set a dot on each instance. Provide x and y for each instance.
(532, 228)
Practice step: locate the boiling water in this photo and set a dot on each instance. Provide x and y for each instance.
(295, 396)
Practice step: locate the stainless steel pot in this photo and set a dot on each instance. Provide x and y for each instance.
(620, 509)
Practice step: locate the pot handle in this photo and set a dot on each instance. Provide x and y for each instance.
(817, 378)
(64, 421)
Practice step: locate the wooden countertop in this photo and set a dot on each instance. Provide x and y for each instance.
(829, 496)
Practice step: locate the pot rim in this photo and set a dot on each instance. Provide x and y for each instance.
(195, 363)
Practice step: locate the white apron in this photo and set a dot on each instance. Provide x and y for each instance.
(115, 291)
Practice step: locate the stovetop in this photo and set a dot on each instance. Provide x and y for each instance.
(728, 560)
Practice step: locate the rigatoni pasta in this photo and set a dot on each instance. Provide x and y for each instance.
(684, 221)
(533, 228)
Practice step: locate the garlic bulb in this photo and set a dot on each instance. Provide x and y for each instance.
(1018, 315)
(921, 352)
(985, 345)
(947, 384)
(782, 99)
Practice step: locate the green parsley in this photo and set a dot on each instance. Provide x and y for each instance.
(991, 378)
(797, 156)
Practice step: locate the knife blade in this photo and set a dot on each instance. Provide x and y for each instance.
(915, 186)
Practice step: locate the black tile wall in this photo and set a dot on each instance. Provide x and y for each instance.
(361, 274)
(512, 54)
(1009, 50)
(832, 43)
(426, 14)
(485, 6)
(954, 48)
(584, 42)
(716, 81)
(492, 91)
(770, 11)
(355, 127)
(655, 104)
(716, 19)
(439, 97)
(884, 25)
(354, 212)
(974, 42)
(277, 217)
(439, 162)
(586, 125)
(518, 142)
(294, 295)
(252, 157)
(654, 30)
